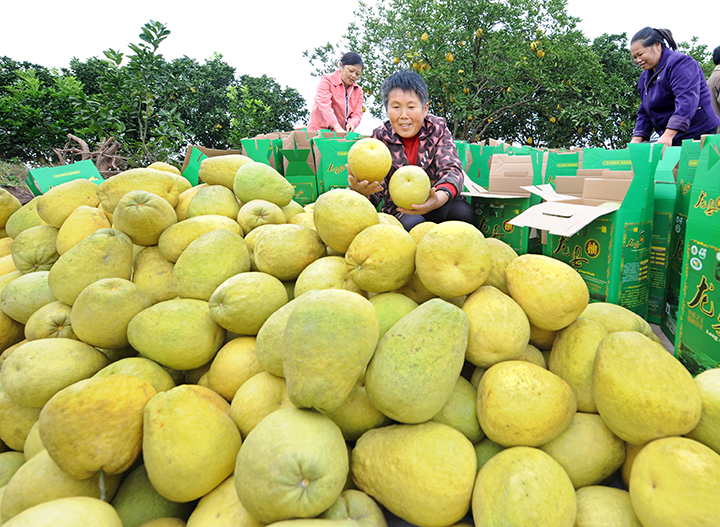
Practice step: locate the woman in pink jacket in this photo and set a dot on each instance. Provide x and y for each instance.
(339, 99)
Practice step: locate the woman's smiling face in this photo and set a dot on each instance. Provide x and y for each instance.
(646, 57)
(406, 112)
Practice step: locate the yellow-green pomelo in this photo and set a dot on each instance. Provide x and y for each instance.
(259, 212)
(9, 204)
(221, 170)
(159, 182)
(534, 355)
(41, 480)
(501, 254)
(641, 391)
(7, 265)
(102, 311)
(208, 261)
(5, 246)
(24, 218)
(522, 404)
(292, 465)
(243, 302)
(356, 505)
(25, 295)
(154, 274)
(175, 239)
(285, 250)
(303, 218)
(417, 363)
(38, 369)
(33, 442)
(631, 452)
(542, 339)
(260, 395)
(587, 450)
(416, 290)
(167, 167)
(328, 341)
(137, 502)
(389, 219)
(499, 328)
(598, 505)
(485, 449)
(325, 273)
(104, 417)
(551, 293)
(340, 214)
(675, 482)
(369, 159)
(422, 473)
(707, 430)
(391, 307)
(58, 203)
(141, 367)
(356, 415)
(184, 200)
(617, 318)
(10, 462)
(235, 363)
(523, 487)
(35, 249)
(573, 356)
(420, 229)
(221, 507)
(165, 522)
(68, 512)
(107, 253)
(177, 333)
(256, 180)
(252, 238)
(50, 321)
(213, 199)
(268, 345)
(143, 216)
(460, 411)
(16, 420)
(291, 210)
(453, 259)
(81, 223)
(409, 185)
(189, 444)
(381, 258)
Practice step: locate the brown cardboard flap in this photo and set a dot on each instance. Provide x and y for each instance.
(510, 184)
(606, 189)
(590, 172)
(618, 174)
(571, 185)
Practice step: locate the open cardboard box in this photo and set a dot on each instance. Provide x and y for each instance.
(40, 180)
(605, 238)
(331, 155)
(505, 198)
(193, 158)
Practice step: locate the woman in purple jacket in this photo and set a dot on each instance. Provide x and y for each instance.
(675, 100)
(415, 137)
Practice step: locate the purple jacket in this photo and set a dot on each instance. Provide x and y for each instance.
(675, 96)
(437, 155)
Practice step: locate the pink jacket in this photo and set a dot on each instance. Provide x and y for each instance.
(329, 107)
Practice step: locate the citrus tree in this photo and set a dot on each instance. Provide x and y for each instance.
(518, 70)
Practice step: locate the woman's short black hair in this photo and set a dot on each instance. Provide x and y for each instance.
(351, 59)
(408, 81)
(716, 55)
(649, 36)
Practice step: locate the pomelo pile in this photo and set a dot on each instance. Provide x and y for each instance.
(220, 355)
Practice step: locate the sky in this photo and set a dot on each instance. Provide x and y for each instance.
(269, 38)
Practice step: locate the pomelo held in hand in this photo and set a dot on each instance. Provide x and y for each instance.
(409, 186)
(369, 160)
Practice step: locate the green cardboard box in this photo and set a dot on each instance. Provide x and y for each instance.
(40, 180)
(306, 189)
(609, 246)
(261, 149)
(560, 164)
(462, 148)
(505, 199)
(297, 153)
(665, 194)
(687, 166)
(331, 162)
(697, 340)
(478, 161)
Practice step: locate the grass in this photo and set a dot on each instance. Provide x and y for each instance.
(13, 173)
